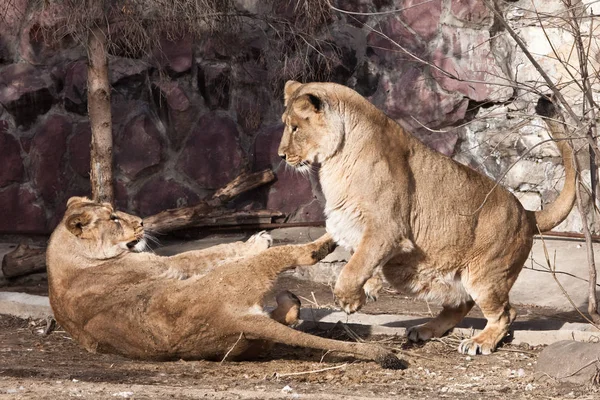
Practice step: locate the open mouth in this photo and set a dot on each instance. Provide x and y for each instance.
(137, 245)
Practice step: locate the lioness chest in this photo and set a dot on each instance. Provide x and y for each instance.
(345, 225)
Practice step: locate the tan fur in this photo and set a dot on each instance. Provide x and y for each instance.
(432, 226)
(194, 305)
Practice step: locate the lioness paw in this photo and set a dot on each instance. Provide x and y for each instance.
(372, 287)
(474, 346)
(260, 241)
(420, 333)
(350, 302)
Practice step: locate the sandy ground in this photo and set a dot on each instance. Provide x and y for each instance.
(38, 366)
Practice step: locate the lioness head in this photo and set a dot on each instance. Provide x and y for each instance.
(99, 231)
(314, 129)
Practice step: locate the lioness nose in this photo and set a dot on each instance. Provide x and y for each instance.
(283, 156)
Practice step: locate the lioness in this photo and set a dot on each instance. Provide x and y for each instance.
(434, 227)
(204, 304)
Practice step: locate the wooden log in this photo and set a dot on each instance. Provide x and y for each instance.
(23, 260)
(194, 216)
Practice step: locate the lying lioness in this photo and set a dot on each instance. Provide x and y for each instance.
(434, 227)
(203, 304)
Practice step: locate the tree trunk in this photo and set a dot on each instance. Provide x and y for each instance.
(23, 260)
(100, 118)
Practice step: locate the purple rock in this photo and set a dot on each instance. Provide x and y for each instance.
(75, 89)
(26, 92)
(79, 148)
(160, 194)
(265, 148)
(11, 164)
(175, 56)
(212, 155)
(20, 213)
(138, 146)
(424, 19)
(473, 11)
(290, 192)
(48, 148)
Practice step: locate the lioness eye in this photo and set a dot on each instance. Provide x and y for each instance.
(294, 129)
(114, 218)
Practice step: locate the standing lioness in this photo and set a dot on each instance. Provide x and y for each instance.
(199, 304)
(433, 226)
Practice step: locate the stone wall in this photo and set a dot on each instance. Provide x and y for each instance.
(190, 117)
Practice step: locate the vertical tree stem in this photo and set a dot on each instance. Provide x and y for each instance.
(100, 117)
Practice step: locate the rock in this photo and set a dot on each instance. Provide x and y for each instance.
(356, 6)
(311, 212)
(394, 33)
(527, 172)
(138, 146)
(120, 68)
(11, 164)
(290, 193)
(443, 142)
(75, 87)
(214, 82)
(530, 200)
(471, 12)
(25, 215)
(466, 55)
(176, 110)
(250, 107)
(122, 196)
(79, 148)
(175, 97)
(174, 56)
(160, 194)
(570, 361)
(265, 148)
(26, 92)
(408, 95)
(423, 18)
(48, 148)
(367, 79)
(212, 155)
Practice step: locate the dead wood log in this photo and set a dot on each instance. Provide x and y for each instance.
(23, 260)
(198, 215)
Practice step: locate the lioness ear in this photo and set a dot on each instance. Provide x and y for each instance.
(309, 104)
(76, 222)
(288, 91)
(75, 200)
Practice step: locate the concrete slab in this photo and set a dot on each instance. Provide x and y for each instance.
(25, 305)
(531, 332)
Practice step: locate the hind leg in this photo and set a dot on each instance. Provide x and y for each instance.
(287, 311)
(448, 318)
(490, 292)
(499, 315)
(263, 328)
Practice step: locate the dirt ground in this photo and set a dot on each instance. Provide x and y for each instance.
(38, 366)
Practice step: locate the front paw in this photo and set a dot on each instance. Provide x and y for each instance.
(349, 300)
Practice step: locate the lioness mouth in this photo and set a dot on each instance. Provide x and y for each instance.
(132, 245)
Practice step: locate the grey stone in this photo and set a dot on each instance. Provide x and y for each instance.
(570, 361)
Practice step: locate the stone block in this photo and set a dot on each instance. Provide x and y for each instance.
(26, 92)
(138, 146)
(48, 149)
(212, 155)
